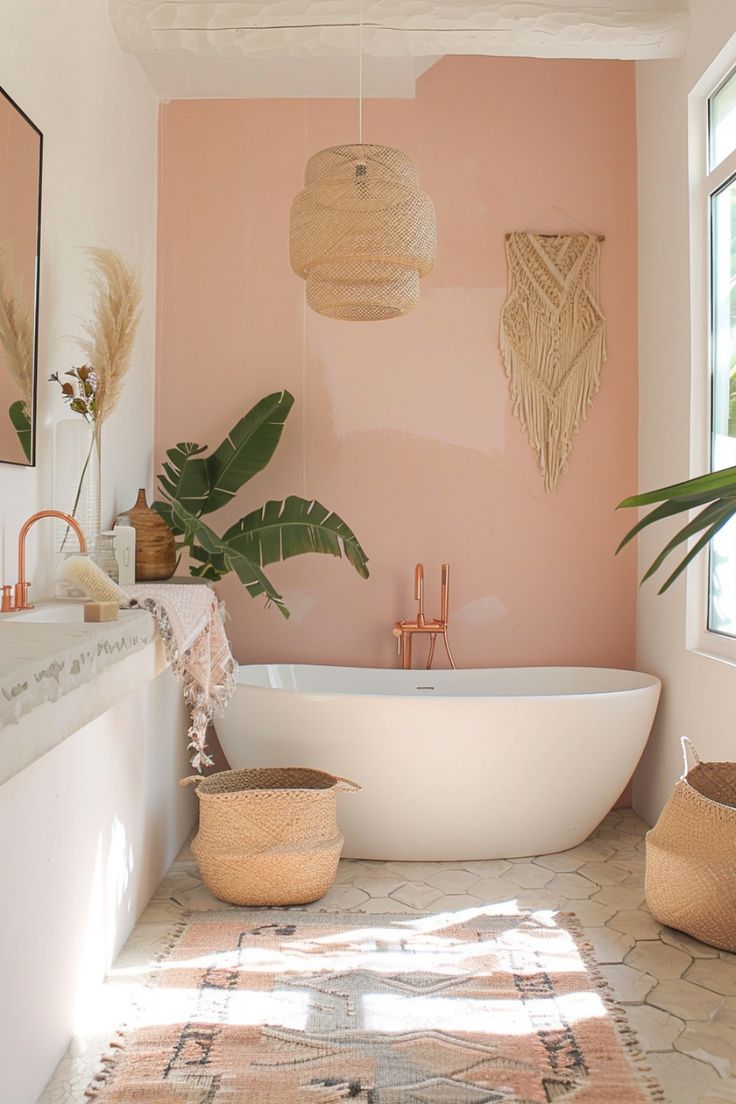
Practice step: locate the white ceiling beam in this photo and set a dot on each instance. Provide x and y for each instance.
(399, 28)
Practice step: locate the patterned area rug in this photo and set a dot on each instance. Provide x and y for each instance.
(279, 1006)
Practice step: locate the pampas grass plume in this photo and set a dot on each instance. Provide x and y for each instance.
(109, 336)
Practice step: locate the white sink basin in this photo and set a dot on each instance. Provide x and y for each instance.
(68, 613)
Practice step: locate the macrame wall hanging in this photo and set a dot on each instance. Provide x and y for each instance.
(552, 339)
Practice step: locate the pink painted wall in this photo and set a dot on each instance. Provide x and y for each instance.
(405, 427)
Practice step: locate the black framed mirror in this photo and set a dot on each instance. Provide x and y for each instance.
(21, 160)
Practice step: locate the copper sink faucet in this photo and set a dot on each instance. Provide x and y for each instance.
(19, 599)
(404, 630)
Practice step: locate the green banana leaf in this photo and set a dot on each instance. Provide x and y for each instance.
(250, 574)
(193, 485)
(715, 491)
(184, 480)
(22, 426)
(205, 484)
(280, 530)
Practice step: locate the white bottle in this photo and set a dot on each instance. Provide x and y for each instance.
(124, 534)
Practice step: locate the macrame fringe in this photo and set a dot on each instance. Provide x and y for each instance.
(552, 342)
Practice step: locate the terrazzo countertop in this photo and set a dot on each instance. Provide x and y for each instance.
(58, 677)
(41, 662)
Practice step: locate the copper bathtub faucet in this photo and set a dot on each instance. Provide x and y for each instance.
(404, 630)
(13, 600)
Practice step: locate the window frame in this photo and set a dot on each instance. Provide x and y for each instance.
(704, 182)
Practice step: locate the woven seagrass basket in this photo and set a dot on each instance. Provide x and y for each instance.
(268, 835)
(691, 854)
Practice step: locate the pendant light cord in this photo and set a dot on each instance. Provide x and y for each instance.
(360, 78)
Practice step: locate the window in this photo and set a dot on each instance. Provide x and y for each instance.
(721, 195)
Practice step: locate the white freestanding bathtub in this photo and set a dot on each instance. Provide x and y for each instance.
(470, 764)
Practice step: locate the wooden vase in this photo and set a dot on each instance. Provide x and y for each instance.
(155, 552)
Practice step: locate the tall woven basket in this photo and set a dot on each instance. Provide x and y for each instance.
(691, 854)
(268, 835)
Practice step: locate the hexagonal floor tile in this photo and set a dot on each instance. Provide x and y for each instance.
(658, 959)
(486, 868)
(378, 887)
(711, 1043)
(542, 899)
(455, 901)
(378, 905)
(685, 1000)
(413, 871)
(564, 863)
(528, 875)
(657, 1030)
(636, 922)
(621, 897)
(452, 881)
(494, 889)
(715, 974)
(628, 984)
(593, 914)
(574, 886)
(609, 946)
(417, 895)
(340, 897)
(604, 874)
(684, 1079)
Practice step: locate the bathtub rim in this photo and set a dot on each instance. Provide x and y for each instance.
(651, 682)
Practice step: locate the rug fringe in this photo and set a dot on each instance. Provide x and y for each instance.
(627, 1035)
(117, 1045)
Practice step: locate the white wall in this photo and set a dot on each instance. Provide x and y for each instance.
(62, 64)
(86, 833)
(698, 691)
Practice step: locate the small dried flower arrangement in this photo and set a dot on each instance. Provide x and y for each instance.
(80, 396)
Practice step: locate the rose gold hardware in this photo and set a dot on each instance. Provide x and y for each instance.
(23, 586)
(405, 630)
(7, 602)
(419, 591)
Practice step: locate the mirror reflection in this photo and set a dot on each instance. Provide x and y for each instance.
(20, 204)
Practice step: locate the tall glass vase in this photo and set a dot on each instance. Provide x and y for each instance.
(76, 482)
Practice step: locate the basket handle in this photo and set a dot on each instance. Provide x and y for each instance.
(688, 749)
(345, 785)
(190, 781)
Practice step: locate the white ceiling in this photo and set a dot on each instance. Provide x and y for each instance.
(294, 48)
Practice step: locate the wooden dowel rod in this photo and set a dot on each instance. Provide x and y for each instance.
(600, 237)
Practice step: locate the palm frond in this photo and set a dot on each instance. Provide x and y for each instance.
(715, 491)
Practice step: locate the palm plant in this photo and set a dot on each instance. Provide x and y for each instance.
(715, 492)
(193, 485)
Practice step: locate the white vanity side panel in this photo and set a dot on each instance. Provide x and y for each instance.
(86, 833)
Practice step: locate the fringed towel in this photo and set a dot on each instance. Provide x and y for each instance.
(552, 339)
(190, 620)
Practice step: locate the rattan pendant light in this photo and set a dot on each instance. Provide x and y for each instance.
(362, 232)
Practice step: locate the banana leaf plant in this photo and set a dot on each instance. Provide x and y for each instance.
(715, 492)
(193, 485)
